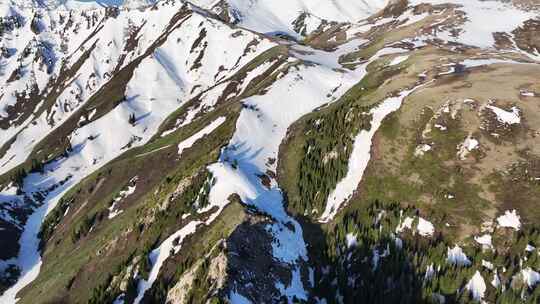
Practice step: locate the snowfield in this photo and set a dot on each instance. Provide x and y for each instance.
(176, 56)
(479, 27)
(159, 86)
(106, 50)
(260, 129)
(278, 16)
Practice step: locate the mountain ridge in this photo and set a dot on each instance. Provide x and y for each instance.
(78, 4)
(226, 152)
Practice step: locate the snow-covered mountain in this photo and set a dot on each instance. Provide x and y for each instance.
(280, 16)
(249, 151)
(77, 4)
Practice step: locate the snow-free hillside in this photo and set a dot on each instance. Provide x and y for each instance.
(255, 151)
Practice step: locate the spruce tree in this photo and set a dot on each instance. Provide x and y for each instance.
(132, 119)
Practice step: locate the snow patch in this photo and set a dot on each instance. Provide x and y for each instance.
(162, 252)
(421, 150)
(487, 264)
(527, 94)
(457, 257)
(295, 287)
(351, 240)
(113, 212)
(399, 59)
(466, 147)
(479, 27)
(484, 240)
(187, 143)
(496, 281)
(530, 277)
(510, 219)
(477, 286)
(360, 156)
(508, 117)
(425, 228)
(237, 298)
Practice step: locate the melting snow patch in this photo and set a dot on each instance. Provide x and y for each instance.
(287, 245)
(495, 282)
(478, 28)
(378, 255)
(457, 257)
(527, 94)
(510, 219)
(484, 240)
(425, 228)
(487, 264)
(407, 223)
(187, 143)
(507, 117)
(421, 150)
(477, 286)
(440, 127)
(466, 147)
(472, 63)
(530, 277)
(430, 272)
(360, 156)
(113, 212)
(399, 59)
(295, 288)
(161, 253)
(351, 240)
(470, 143)
(237, 298)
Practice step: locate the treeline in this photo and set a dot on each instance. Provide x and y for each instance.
(367, 259)
(52, 220)
(326, 151)
(188, 200)
(111, 288)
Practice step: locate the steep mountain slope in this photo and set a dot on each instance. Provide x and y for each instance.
(286, 17)
(261, 152)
